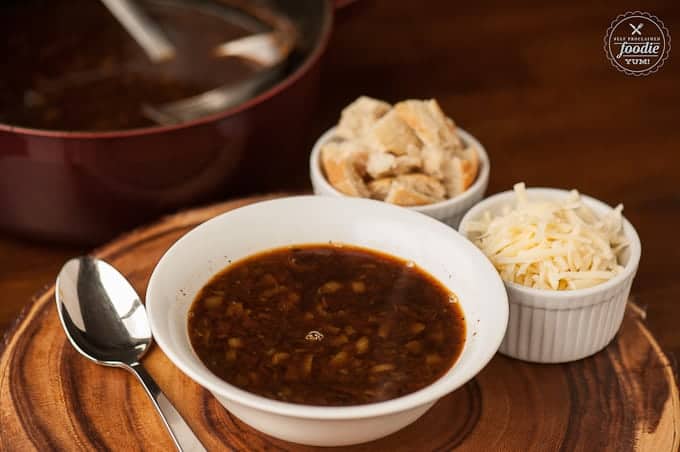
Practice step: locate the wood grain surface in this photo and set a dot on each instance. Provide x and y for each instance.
(51, 398)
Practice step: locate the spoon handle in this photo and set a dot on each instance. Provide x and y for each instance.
(181, 433)
(143, 30)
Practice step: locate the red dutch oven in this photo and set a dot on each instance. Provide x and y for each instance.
(87, 186)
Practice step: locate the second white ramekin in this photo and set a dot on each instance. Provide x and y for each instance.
(547, 326)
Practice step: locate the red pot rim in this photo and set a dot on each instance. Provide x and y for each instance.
(311, 60)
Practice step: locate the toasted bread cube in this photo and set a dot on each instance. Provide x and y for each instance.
(379, 188)
(340, 168)
(391, 134)
(380, 164)
(359, 116)
(459, 174)
(414, 190)
(406, 163)
(433, 161)
(429, 122)
(384, 164)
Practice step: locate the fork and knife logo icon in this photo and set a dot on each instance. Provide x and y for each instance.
(636, 29)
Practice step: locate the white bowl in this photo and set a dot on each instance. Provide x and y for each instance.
(550, 326)
(435, 247)
(450, 211)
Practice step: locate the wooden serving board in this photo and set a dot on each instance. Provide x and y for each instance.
(51, 398)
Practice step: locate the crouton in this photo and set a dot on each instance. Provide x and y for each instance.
(391, 134)
(359, 116)
(414, 190)
(429, 122)
(340, 168)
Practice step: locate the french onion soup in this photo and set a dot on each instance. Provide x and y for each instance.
(331, 325)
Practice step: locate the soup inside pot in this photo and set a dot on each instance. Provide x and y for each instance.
(72, 66)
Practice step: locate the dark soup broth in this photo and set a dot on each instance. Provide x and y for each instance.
(326, 325)
(74, 67)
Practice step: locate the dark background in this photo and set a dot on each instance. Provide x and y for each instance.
(531, 81)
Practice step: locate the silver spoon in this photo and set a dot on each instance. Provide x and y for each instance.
(106, 322)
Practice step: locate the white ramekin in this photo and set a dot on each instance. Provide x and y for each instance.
(547, 326)
(433, 246)
(450, 211)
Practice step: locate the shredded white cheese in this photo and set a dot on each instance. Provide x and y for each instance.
(558, 245)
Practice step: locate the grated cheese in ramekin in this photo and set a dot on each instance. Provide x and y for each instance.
(555, 244)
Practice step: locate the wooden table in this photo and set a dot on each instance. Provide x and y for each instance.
(532, 83)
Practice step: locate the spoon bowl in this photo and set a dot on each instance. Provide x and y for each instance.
(102, 313)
